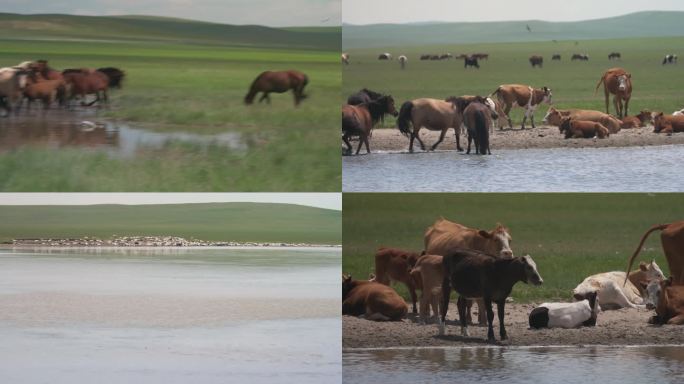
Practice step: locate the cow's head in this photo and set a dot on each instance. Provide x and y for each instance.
(653, 290)
(553, 117)
(652, 271)
(491, 104)
(547, 95)
(347, 285)
(499, 241)
(658, 121)
(532, 276)
(564, 124)
(645, 116)
(622, 81)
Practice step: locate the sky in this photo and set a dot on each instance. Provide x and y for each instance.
(274, 13)
(409, 11)
(320, 200)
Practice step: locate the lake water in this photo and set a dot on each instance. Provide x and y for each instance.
(628, 169)
(605, 365)
(170, 316)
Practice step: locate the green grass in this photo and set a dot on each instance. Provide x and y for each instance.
(655, 87)
(245, 222)
(196, 87)
(570, 236)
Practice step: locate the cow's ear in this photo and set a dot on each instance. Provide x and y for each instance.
(643, 266)
(484, 233)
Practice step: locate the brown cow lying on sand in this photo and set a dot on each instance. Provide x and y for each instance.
(668, 123)
(637, 121)
(554, 117)
(578, 129)
(373, 301)
(668, 300)
(393, 264)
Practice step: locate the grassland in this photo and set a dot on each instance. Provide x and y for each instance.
(178, 80)
(656, 87)
(244, 222)
(570, 236)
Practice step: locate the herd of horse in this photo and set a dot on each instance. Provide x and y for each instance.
(481, 267)
(36, 81)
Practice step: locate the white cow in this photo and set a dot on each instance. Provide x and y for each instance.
(677, 113)
(402, 60)
(566, 315)
(614, 293)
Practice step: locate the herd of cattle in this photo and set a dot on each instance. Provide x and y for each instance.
(480, 265)
(366, 108)
(36, 81)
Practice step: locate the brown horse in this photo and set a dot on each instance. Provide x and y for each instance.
(359, 120)
(477, 118)
(618, 82)
(46, 91)
(278, 82)
(83, 82)
(47, 73)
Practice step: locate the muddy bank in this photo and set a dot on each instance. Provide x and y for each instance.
(147, 241)
(619, 327)
(540, 137)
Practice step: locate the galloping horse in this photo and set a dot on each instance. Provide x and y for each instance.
(115, 76)
(278, 82)
(85, 82)
(358, 120)
(47, 73)
(618, 82)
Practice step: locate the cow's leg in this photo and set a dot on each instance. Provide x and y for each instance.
(424, 302)
(607, 94)
(490, 319)
(481, 312)
(612, 293)
(507, 111)
(532, 120)
(677, 320)
(413, 135)
(462, 304)
(446, 291)
(626, 110)
(412, 292)
(500, 310)
(434, 301)
(527, 111)
(441, 137)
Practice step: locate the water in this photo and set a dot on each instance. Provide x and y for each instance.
(607, 365)
(170, 316)
(627, 169)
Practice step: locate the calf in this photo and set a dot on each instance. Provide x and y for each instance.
(478, 275)
(668, 123)
(566, 315)
(639, 120)
(523, 96)
(373, 301)
(428, 274)
(555, 116)
(393, 264)
(577, 129)
(668, 300)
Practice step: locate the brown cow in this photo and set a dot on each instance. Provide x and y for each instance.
(578, 129)
(523, 96)
(554, 117)
(536, 61)
(672, 241)
(428, 274)
(636, 121)
(373, 301)
(393, 264)
(668, 300)
(618, 82)
(668, 123)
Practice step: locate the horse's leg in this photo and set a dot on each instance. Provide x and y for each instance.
(365, 140)
(361, 140)
(345, 138)
(462, 304)
(501, 312)
(457, 133)
(490, 319)
(263, 97)
(422, 145)
(441, 137)
(470, 140)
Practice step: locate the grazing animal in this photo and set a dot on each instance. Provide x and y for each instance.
(578, 129)
(445, 56)
(580, 57)
(672, 241)
(556, 56)
(278, 82)
(566, 315)
(613, 294)
(402, 61)
(614, 55)
(365, 95)
(668, 123)
(670, 59)
(393, 264)
(475, 275)
(359, 120)
(12, 83)
(428, 275)
(555, 116)
(477, 118)
(481, 56)
(618, 82)
(115, 76)
(470, 61)
(536, 61)
(433, 114)
(425, 57)
(373, 301)
(668, 301)
(83, 82)
(385, 56)
(523, 96)
(345, 58)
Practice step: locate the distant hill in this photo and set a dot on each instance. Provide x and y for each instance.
(641, 24)
(243, 222)
(56, 26)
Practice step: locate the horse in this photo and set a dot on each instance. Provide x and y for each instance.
(359, 120)
(83, 82)
(47, 73)
(12, 83)
(618, 82)
(580, 57)
(278, 82)
(345, 58)
(476, 118)
(556, 56)
(402, 60)
(46, 91)
(470, 61)
(115, 76)
(365, 95)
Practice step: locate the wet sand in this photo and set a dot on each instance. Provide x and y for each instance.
(618, 327)
(540, 137)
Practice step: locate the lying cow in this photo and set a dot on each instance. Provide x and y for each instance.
(555, 116)
(636, 121)
(428, 274)
(614, 293)
(578, 129)
(393, 264)
(667, 123)
(371, 300)
(668, 300)
(523, 96)
(566, 315)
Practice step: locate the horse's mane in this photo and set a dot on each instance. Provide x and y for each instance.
(377, 108)
(372, 94)
(461, 102)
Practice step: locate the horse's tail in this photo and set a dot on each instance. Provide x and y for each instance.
(641, 244)
(404, 118)
(481, 131)
(249, 98)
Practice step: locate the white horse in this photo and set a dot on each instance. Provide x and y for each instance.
(12, 84)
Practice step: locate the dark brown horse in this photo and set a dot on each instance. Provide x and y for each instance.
(358, 120)
(278, 82)
(83, 82)
(115, 76)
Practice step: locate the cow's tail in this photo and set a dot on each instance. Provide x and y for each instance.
(659, 227)
(404, 118)
(496, 92)
(601, 80)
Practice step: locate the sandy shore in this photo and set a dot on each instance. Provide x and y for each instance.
(618, 327)
(540, 137)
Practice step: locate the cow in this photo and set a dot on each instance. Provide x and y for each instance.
(428, 274)
(668, 301)
(445, 56)
(474, 274)
(556, 56)
(345, 58)
(523, 96)
(481, 56)
(555, 116)
(425, 57)
(371, 300)
(385, 56)
(402, 61)
(470, 61)
(614, 56)
(667, 123)
(670, 59)
(536, 61)
(393, 264)
(613, 294)
(580, 57)
(578, 129)
(636, 121)
(618, 82)
(678, 112)
(566, 315)
(672, 241)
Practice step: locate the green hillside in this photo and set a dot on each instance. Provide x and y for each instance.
(243, 222)
(641, 24)
(133, 28)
